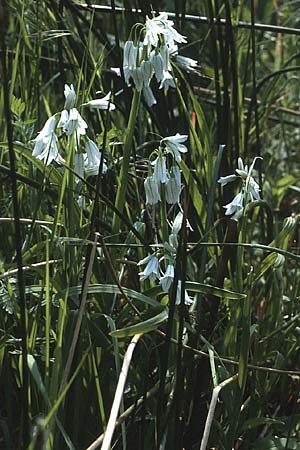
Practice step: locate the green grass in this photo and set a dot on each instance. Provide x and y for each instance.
(65, 329)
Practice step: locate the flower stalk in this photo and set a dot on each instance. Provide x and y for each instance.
(123, 178)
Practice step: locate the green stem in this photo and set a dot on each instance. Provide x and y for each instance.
(163, 215)
(123, 178)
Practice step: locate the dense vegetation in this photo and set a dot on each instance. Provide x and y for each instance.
(118, 225)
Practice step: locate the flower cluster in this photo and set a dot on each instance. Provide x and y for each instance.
(72, 124)
(144, 60)
(249, 192)
(153, 270)
(164, 172)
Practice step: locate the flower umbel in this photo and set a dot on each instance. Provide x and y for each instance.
(250, 189)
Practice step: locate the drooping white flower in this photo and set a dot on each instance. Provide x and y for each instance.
(167, 81)
(149, 96)
(151, 270)
(172, 245)
(92, 162)
(101, 103)
(160, 173)
(70, 96)
(133, 66)
(157, 64)
(45, 147)
(138, 78)
(173, 186)
(175, 146)
(236, 204)
(47, 150)
(152, 190)
(147, 71)
(254, 189)
(47, 129)
(130, 55)
(166, 280)
(187, 300)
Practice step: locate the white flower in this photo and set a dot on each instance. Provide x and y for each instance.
(154, 28)
(70, 96)
(160, 25)
(151, 270)
(167, 81)
(116, 70)
(175, 146)
(161, 173)
(92, 162)
(224, 180)
(177, 224)
(72, 122)
(147, 71)
(140, 72)
(188, 64)
(138, 78)
(172, 245)
(101, 103)
(167, 279)
(173, 186)
(64, 118)
(187, 299)
(158, 65)
(45, 147)
(152, 191)
(254, 189)
(148, 96)
(131, 54)
(47, 129)
(250, 190)
(236, 204)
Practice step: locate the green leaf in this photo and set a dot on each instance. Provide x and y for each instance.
(114, 289)
(258, 421)
(33, 367)
(17, 106)
(276, 443)
(142, 327)
(203, 289)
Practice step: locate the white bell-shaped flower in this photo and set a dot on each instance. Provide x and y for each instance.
(152, 191)
(151, 270)
(166, 280)
(160, 173)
